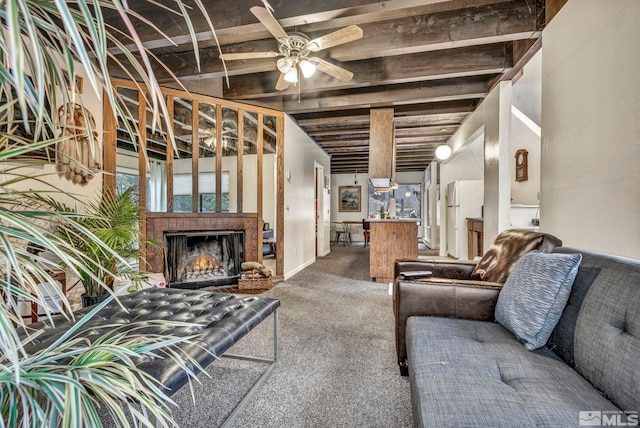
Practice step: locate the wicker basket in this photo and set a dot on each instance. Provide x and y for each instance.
(250, 280)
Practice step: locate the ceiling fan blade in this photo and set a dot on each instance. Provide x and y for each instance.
(248, 55)
(282, 84)
(269, 21)
(347, 34)
(333, 70)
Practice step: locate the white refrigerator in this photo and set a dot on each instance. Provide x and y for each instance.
(464, 200)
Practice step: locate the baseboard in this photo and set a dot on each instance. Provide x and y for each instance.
(299, 268)
(326, 253)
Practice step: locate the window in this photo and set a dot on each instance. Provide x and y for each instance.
(157, 186)
(126, 180)
(408, 201)
(207, 200)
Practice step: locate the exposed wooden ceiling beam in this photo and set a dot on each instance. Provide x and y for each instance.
(403, 144)
(325, 123)
(237, 24)
(469, 61)
(337, 135)
(421, 92)
(399, 111)
(489, 24)
(468, 27)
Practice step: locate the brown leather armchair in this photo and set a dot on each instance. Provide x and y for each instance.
(460, 289)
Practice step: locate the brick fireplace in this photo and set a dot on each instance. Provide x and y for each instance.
(159, 225)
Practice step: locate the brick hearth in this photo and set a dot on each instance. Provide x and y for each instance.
(160, 223)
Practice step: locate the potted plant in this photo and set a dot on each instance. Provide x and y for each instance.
(114, 220)
(44, 44)
(381, 211)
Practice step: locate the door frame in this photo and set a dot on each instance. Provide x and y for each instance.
(319, 208)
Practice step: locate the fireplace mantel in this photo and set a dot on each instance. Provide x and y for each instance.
(160, 223)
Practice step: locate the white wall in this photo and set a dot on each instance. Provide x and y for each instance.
(525, 130)
(590, 131)
(338, 180)
(300, 156)
(522, 137)
(527, 90)
(497, 162)
(467, 164)
(410, 177)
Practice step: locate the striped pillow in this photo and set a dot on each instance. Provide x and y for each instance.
(535, 294)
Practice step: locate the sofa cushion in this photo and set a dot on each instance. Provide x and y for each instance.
(475, 373)
(606, 330)
(535, 294)
(496, 264)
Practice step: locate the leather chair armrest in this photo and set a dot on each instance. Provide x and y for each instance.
(440, 268)
(440, 297)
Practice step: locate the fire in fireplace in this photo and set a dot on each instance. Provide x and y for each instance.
(203, 259)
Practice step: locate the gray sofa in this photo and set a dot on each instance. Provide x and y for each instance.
(467, 370)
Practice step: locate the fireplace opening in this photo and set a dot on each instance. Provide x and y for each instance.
(203, 259)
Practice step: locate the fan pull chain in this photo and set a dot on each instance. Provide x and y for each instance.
(299, 83)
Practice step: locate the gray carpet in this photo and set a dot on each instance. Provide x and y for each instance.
(337, 363)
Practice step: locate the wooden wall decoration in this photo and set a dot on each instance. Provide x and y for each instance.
(522, 166)
(76, 158)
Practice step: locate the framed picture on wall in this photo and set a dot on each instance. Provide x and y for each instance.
(349, 198)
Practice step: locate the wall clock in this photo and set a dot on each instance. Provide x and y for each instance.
(522, 173)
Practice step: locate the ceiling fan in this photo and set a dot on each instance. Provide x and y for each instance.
(295, 49)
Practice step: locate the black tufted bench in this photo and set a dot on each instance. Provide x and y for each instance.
(223, 320)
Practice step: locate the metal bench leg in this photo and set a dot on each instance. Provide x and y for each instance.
(231, 418)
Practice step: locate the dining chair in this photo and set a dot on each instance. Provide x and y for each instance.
(340, 231)
(366, 231)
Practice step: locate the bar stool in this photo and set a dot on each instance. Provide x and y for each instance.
(341, 230)
(366, 232)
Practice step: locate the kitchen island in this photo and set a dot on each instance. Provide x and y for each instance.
(391, 239)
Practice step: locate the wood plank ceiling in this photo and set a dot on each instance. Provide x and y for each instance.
(433, 61)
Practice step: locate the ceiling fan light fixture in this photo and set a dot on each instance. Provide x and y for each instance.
(308, 68)
(284, 64)
(291, 76)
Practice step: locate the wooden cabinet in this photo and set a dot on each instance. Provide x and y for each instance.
(391, 240)
(475, 237)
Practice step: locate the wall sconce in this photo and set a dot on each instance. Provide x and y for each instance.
(443, 152)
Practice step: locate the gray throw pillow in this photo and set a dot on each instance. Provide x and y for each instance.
(535, 294)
